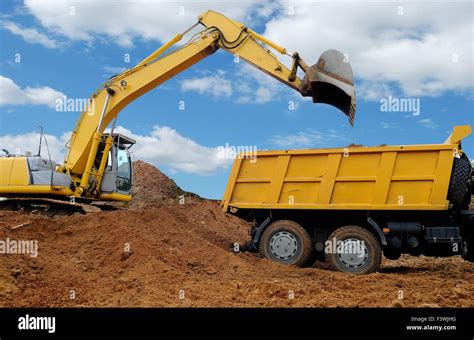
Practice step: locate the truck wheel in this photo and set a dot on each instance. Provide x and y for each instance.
(356, 251)
(459, 185)
(469, 255)
(286, 242)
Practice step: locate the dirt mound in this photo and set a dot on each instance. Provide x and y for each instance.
(181, 255)
(152, 188)
(127, 257)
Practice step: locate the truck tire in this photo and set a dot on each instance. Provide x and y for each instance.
(286, 242)
(459, 186)
(469, 255)
(356, 251)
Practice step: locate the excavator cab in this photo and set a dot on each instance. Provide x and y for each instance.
(117, 179)
(330, 81)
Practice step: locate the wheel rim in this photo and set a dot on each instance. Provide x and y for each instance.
(283, 245)
(352, 253)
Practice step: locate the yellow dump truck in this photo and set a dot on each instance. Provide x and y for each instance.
(348, 205)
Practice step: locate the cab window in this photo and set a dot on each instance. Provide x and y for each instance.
(124, 171)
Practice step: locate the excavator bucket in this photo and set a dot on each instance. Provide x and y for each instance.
(330, 81)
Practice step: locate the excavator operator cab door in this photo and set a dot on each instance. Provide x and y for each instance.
(124, 169)
(118, 175)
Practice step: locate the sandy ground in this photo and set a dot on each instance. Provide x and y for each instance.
(156, 252)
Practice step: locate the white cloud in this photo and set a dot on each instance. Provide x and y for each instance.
(29, 142)
(123, 21)
(164, 146)
(425, 51)
(215, 86)
(267, 9)
(419, 48)
(30, 35)
(386, 125)
(12, 94)
(428, 122)
(255, 87)
(113, 70)
(305, 139)
(250, 86)
(374, 90)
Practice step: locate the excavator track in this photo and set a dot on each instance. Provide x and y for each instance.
(46, 205)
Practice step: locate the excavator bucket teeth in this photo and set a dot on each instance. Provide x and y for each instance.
(330, 81)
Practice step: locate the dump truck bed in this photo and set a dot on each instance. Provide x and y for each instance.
(414, 177)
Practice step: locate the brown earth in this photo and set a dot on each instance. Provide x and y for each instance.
(152, 188)
(181, 255)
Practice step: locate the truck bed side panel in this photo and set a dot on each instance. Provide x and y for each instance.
(373, 178)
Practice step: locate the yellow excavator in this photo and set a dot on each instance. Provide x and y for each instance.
(97, 164)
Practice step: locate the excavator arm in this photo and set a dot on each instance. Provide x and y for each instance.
(328, 81)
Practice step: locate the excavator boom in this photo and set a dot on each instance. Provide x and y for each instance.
(89, 149)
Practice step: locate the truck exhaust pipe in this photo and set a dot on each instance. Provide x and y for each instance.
(330, 81)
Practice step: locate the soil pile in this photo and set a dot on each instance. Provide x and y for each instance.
(163, 253)
(152, 188)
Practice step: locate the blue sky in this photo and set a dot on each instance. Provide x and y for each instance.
(406, 55)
